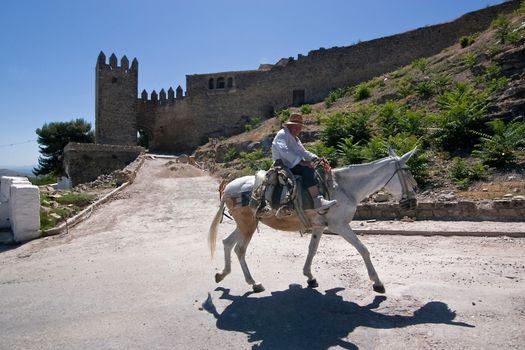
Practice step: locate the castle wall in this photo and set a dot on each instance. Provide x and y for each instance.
(115, 96)
(84, 162)
(220, 104)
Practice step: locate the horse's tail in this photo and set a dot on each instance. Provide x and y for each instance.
(212, 234)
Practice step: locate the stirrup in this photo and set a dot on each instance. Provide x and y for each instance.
(283, 212)
(264, 212)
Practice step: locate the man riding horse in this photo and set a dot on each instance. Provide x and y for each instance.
(287, 147)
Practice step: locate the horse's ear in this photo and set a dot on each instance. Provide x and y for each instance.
(407, 156)
(391, 152)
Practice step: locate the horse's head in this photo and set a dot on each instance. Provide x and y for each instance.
(402, 184)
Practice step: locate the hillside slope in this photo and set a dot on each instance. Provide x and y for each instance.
(443, 104)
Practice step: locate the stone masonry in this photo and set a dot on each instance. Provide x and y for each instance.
(220, 104)
(84, 162)
(512, 209)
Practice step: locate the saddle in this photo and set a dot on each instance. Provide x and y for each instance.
(278, 192)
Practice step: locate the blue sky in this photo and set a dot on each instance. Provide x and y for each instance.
(49, 47)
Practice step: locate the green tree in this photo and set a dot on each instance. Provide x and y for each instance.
(53, 137)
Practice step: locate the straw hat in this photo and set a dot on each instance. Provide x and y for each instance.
(295, 119)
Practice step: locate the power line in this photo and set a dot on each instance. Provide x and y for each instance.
(17, 143)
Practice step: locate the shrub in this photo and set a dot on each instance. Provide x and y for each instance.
(466, 40)
(306, 109)
(394, 118)
(460, 111)
(252, 123)
(334, 129)
(493, 78)
(493, 50)
(404, 87)
(319, 118)
(441, 82)
(425, 88)
(514, 38)
(469, 59)
(502, 26)
(421, 64)
(361, 92)
(255, 160)
(373, 83)
(349, 152)
(323, 151)
(336, 94)
(499, 149)
(376, 148)
(521, 9)
(463, 172)
(283, 115)
(230, 154)
(342, 125)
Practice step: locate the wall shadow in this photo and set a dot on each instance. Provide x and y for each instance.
(303, 318)
(4, 247)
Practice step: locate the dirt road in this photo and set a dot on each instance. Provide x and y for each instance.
(137, 275)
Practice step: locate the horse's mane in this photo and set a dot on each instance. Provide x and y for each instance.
(355, 168)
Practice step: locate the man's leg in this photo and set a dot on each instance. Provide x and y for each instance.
(320, 204)
(307, 173)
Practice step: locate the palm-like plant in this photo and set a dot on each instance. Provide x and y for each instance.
(499, 149)
(461, 111)
(349, 152)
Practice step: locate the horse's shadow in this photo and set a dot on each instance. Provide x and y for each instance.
(299, 318)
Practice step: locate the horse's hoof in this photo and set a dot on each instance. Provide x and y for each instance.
(379, 289)
(313, 283)
(218, 277)
(257, 288)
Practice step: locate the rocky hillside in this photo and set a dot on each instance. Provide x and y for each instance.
(463, 108)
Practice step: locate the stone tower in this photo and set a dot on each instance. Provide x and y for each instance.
(115, 100)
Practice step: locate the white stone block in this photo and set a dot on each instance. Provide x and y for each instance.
(4, 215)
(24, 210)
(5, 185)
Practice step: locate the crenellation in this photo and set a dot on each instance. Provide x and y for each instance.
(134, 65)
(101, 60)
(218, 104)
(124, 63)
(154, 96)
(113, 61)
(179, 93)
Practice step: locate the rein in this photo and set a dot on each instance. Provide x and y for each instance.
(408, 201)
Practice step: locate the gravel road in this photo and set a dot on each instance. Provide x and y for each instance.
(137, 275)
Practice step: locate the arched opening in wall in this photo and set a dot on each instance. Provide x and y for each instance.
(220, 83)
(229, 84)
(143, 138)
(211, 84)
(297, 98)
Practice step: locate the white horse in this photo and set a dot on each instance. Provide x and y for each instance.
(351, 185)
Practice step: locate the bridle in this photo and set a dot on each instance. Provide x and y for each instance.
(408, 199)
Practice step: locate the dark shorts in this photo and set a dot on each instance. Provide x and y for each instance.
(306, 173)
